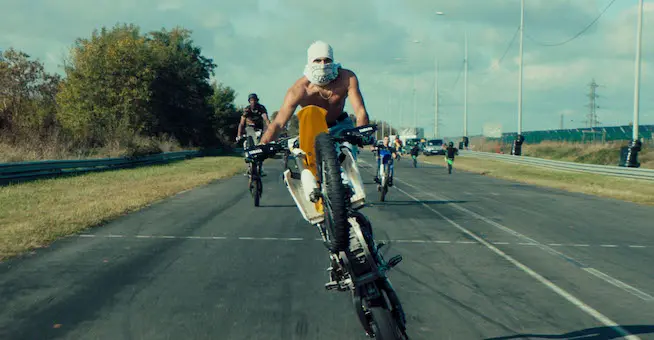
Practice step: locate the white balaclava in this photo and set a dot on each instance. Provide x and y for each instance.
(318, 73)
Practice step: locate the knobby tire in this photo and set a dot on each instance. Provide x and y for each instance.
(335, 207)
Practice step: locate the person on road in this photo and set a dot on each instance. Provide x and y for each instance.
(254, 119)
(385, 145)
(327, 85)
(398, 144)
(450, 152)
(415, 150)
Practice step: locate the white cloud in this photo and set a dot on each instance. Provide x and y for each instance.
(260, 46)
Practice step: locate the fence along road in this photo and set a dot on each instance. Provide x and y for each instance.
(617, 171)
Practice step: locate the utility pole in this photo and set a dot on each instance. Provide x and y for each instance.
(635, 144)
(517, 143)
(436, 104)
(415, 114)
(592, 105)
(561, 127)
(465, 89)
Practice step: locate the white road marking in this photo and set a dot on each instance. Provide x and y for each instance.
(578, 303)
(319, 239)
(608, 245)
(550, 250)
(620, 284)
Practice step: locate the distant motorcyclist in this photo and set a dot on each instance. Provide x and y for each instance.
(415, 150)
(398, 144)
(450, 152)
(385, 144)
(253, 121)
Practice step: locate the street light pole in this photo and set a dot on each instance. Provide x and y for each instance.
(465, 93)
(436, 104)
(415, 124)
(517, 144)
(635, 145)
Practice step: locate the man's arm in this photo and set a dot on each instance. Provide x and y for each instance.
(264, 115)
(240, 127)
(291, 102)
(356, 100)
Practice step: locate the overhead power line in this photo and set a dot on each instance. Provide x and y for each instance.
(515, 35)
(576, 35)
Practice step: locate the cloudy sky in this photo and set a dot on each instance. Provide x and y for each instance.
(260, 46)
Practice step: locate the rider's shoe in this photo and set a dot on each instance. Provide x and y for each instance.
(376, 179)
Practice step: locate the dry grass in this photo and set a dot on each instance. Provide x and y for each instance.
(54, 147)
(36, 213)
(589, 153)
(637, 191)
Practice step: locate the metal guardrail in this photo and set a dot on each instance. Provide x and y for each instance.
(617, 171)
(27, 170)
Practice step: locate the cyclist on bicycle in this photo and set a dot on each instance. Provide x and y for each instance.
(385, 145)
(253, 119)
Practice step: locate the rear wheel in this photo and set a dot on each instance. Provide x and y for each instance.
(333, 190)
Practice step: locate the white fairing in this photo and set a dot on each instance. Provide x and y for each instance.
(300, 189)
(308, 183)
(353, 175)
(306, 207)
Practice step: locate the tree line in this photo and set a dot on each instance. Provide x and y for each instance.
(120, 85)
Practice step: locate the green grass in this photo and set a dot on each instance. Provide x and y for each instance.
(36, 213)
(632, 190)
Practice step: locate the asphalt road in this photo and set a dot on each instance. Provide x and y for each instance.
(483, 259)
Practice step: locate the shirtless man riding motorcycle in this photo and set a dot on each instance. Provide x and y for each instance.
(325, 84)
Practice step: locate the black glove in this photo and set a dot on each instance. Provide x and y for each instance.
(367, 140)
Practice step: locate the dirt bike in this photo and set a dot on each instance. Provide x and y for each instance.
(328, 191)
(255, 184)
(384, 173)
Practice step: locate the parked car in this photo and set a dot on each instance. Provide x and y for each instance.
(433, 147)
